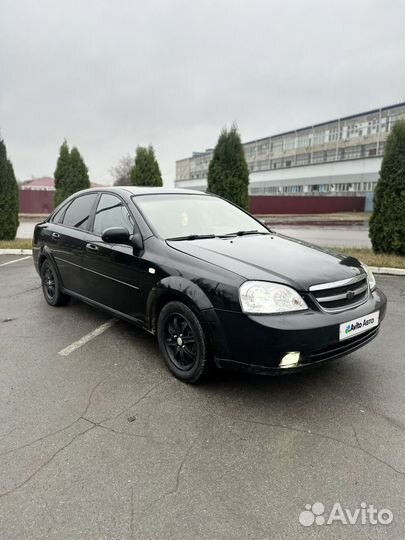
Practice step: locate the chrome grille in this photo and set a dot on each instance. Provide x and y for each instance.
(341, 295)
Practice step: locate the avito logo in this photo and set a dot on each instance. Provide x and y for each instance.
(358, 325)
(365, 514)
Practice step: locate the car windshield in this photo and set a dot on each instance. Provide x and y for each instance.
(182, 216)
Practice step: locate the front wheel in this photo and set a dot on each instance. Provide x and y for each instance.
(183, 343)
(51, 285)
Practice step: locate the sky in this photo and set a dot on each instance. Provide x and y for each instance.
(110, 75)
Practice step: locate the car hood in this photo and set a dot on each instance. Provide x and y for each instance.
(272, 257)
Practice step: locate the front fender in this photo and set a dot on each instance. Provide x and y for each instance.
(177, 287)
(180, 287)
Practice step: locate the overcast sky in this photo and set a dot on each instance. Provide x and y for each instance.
(111, 75)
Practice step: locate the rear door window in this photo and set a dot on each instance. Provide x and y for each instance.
(57, 217)
(112, 212)
(79, 212)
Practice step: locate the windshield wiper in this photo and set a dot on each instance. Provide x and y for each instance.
(192, 237)
(243, 233)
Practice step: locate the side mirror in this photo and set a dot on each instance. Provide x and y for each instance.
(116, 235)
(120, 235)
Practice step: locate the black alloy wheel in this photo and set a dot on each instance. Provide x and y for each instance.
(180, 342)
(49, 283)
(51, 286)
(183, 343)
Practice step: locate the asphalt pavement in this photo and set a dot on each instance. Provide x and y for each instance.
(354, 236)
(103, 443)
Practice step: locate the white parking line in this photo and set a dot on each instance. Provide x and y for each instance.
(88, 337)
(16, 260)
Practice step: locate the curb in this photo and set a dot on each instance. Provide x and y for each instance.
(374, 269)
(389, 271)
(15, 251)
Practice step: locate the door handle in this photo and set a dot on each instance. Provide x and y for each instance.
(55, 235)
(91, 248)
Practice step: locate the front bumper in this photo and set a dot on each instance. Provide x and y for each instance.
(257, 343)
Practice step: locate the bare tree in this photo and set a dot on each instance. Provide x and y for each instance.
(121, 173)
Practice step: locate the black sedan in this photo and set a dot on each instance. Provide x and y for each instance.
(212, 282)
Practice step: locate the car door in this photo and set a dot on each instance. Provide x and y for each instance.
(114, 274)
(67, 240)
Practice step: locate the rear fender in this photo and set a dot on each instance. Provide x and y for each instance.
(45, 253)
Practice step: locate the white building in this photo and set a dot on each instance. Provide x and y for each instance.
(335, 157)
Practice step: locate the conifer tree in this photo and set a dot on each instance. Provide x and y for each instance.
(78, 171)
(146, 171)
(387, 222)
(71, 173)
(61, 173)
(9, 197)
(228, 173)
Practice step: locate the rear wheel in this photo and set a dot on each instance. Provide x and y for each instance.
(183, 343)
(51, 286)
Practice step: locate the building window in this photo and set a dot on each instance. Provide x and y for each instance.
(319, 137)
(263, 164)
(318, 157)
(250, 151)
(303, 141)
(333, 134)
(352, 152)
(289, 143)
(302, 159)
(263, 148)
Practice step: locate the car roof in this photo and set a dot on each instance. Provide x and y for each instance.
(145, 190)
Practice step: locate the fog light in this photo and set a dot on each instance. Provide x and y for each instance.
(291, 359)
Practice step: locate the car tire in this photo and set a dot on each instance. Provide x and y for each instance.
(183, 343)
(51, 285)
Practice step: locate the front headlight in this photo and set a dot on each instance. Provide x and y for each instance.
(370, 277)
(265, 297)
